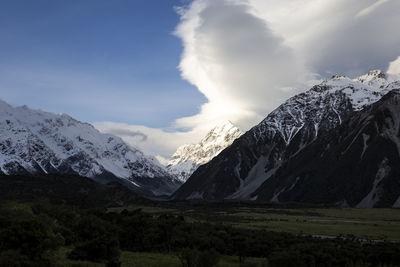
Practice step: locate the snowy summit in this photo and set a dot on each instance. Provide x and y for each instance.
(189, 157)
(34, 141)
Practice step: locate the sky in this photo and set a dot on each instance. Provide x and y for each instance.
(161, 73)
(96, 60)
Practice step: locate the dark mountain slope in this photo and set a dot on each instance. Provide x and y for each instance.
(355, 164)
(69, 189)
(239, 171)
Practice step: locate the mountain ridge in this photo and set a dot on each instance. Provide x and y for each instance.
(238, 171)
(189, 157)
(365, 149)
(34, 141)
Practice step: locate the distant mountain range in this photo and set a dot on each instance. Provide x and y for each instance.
(33, 141)
(188, 158)
(337, 143)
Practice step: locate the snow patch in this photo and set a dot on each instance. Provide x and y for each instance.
(397, 203)
(365, 140)
(275, 199)
(294, 184)
(372, 197)
(254, 179)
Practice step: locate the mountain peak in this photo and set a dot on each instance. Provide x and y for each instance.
(337, 77)
(34, 141)
(252, 167)
(361, 91)
(222, 131)
(188, 158)
(223, 127)
(372, 76)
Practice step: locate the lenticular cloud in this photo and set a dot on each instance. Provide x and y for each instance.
(247, 57)
(236, 61)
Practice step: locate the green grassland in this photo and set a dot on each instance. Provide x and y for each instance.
(372, 224)
(51, 221)
(135, 259)
(61, 260)
(148, 259)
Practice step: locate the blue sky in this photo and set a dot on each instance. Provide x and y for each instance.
(97, 60)
(114, 63)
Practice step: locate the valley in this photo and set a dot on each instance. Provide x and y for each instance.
(364, 224)
(69, 220)
(316, 183)
(200, 133)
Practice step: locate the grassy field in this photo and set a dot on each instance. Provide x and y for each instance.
(45, 222)
(373, 224)
(145, 259)
(61, 260)
(134, 259)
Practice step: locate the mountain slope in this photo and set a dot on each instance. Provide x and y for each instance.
(188, 158)
(66, 189)
(238, 171)
(356, 164)
(33, 141)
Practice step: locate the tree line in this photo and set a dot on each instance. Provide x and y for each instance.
(30, 235)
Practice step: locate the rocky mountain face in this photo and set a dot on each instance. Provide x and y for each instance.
(356, 164)
(317, 147)
(188, 158)
(33, 141)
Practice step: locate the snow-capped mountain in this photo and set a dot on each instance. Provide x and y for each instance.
(188, 158)
(356, 164)
(33, 141)
(241, 170)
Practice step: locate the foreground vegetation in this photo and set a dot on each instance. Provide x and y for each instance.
(32, 235)
(76, 229)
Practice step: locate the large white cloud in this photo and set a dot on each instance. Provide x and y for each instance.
(394, 66)
(342, 36)
(247, 56)
(241, 54)
(153, 141)
(236, 60)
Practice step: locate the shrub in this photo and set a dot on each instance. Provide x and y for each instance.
(102, 249)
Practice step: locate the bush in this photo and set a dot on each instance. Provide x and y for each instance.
(194, 258)
(29, 237)
(103, 249)
(208, 258)
(13, 258)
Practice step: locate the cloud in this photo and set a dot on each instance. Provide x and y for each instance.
(366, 11)
(242, 55)
(248, 56)
(236, 61)
(394, 66)
(331, 36)
(153, 141)
(128, 133)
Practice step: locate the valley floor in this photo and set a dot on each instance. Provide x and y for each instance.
(365, 224)
(151, 259)
(71, 221)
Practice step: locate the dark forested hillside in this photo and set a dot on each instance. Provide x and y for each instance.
(69, 189)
